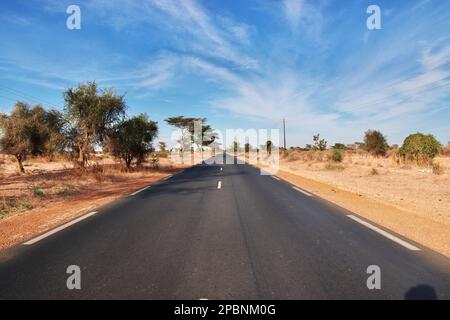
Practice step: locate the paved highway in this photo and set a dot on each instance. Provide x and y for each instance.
(222, 232)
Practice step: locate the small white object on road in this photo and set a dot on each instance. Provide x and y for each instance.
(68, 224)
(303, 191)
(384, 233)
(219, 185)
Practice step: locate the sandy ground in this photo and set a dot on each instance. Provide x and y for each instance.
(409, 200)
(412, 189)
(67, 194)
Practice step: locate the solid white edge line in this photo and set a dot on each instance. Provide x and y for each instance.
(276, 178)
(219, 184)
(68, 224)
(302, 191)
(140, 190)
(384, 233)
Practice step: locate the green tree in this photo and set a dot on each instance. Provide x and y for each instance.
(247, 148)
(420, 147)
(132, 139)
(319, 144)
(29, 130)
(91, 112)
(236, 147)
(339, 146)
(203, 136)
(375, 142)
(269, 147)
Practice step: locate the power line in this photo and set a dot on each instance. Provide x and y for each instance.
(26, 96)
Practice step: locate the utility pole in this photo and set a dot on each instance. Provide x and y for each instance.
(284, 132)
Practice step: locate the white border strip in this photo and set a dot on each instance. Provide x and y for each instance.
(49, 233)
(276, 178)
(384, 233)
(303, 191)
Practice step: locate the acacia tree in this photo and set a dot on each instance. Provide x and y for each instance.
(30, 130)
(375, 142)
(91, 113)
(203, 136)
(319, 144)
(132, 139)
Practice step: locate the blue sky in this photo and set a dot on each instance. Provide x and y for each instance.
(242, 64)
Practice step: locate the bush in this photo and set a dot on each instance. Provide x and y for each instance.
(375, 142)
(334, 167)
(420, 148)
(336, 155)
(437, 168)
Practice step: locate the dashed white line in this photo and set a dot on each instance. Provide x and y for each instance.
(384, 233)
(219, 185)
(276, 178)
(49, 233)
(221, 169)
(303, 191)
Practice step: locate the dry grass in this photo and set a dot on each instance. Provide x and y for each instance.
(418, 189)
(48, 181)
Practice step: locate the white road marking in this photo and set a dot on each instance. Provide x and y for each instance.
(68, 224)
(276, 178)
(165, 178)
(384, 233)
(221, 169)
(219, 185)
(140, 190)
(302, 191)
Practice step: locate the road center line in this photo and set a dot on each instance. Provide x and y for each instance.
(219, 185)
(68, 224)
(140, 190)
(384, 233)
(302, 191)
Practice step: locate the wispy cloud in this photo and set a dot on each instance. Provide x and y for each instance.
(248, 67)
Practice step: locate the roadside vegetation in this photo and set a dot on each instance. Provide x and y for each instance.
(48, 155)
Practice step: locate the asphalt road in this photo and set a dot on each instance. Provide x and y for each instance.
(255, 237)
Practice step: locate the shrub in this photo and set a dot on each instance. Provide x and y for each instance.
(336, 155)
(374, 172)
(334, 167)
(420, 148)
(340, 146)
(375, 142)
(437, 168)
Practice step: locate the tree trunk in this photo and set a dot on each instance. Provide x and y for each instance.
(19, 159)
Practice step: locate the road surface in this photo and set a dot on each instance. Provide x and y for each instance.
(222, 232)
